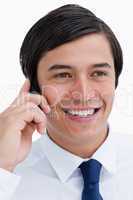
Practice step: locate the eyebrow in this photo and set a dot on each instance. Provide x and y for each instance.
(60, 66)
(102, 65)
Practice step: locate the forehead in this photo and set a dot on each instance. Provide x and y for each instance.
(87, 50)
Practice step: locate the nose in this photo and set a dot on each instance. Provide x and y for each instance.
(83, 90)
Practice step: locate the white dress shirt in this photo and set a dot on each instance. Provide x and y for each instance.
(52, 173)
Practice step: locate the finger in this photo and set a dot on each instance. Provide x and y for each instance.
(33, 113)
(31, 127)
(37, 99)
(28, 130)
(25, 88)
(30, 114)
(39, 119)
(41, 128)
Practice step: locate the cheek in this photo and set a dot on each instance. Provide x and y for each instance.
(108, 96)
(53, 94)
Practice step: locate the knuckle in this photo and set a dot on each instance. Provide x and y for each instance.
(33, 109)
(44, 102)
(36, 98)
(19, 100)
(29, 106)
(10, 119)
(41, 116)
(2, 119)
(4, 116)
(24, 98)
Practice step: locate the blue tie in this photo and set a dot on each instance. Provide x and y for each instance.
(91, 174)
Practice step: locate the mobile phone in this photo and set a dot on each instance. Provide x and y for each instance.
(35, 90)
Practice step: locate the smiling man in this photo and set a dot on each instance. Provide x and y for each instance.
(72, 61)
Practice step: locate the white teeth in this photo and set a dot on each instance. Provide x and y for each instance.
(82, 113)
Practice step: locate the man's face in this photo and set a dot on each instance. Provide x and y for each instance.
(78, 80)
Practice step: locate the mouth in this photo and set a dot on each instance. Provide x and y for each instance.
(83, 113)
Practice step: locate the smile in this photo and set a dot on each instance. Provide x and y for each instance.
(82, 113)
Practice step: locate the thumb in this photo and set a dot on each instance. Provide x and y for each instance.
(24, 90)
(26, 87)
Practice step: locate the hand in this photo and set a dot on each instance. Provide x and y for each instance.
(17, 124)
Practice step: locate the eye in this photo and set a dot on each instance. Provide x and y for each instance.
(99, 74)
(63, 75)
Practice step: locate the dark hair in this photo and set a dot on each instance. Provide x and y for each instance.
(62, 25)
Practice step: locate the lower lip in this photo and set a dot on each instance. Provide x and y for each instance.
(82, 119)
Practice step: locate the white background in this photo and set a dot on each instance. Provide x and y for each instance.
(16, 18)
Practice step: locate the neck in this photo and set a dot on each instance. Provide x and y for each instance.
(84, 149)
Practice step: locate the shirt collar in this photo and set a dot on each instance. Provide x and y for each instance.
(65, 163)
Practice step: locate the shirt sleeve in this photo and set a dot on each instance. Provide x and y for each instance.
(8, 184)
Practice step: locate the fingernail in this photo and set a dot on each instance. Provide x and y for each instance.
(48, 109)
